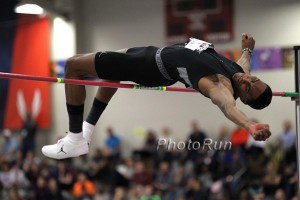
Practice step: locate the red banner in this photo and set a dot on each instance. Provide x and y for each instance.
(31, 55)
(209, 20)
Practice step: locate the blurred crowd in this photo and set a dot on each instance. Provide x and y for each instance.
(248, 170)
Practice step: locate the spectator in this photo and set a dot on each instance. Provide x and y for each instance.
(256, 190)
(196, 135)
(14, 194)
(41, 190)
(31, 167)
(180, 180)
(12, 175)
(164, 152)
(148, 194)
(4, 175)
(99, 167)
(150, 145)
(101, 194)
(166, 133)
(113, 143)
(271, 180)
(149, 149)
(237, 162)
(206, 176)
(244, 195)
(123, 174)
(10, 146)
(195, 191)
(224, 133)
(63, 174)
(163, 178)
(287, 137)
(120, 194)
(83, 188)
(289, 180)
(279, 195)
(239, 137)
(141, 176)
(28, 133)
(82, 163)
(217, 191)
(55, 192)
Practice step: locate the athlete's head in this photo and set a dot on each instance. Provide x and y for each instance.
(263, 100)
(252, 91)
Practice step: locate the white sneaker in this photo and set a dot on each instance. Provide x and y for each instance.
(72, 145)
(87, 130)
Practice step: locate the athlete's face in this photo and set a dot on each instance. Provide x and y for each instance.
(249, 87)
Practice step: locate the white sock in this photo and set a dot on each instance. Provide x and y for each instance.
(88, 130)
(75, 136)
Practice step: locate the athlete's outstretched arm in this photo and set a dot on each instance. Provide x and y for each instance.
(247, 47)
(225, 101)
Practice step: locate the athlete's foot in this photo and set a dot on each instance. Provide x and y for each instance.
(72, 145)
(87, 130)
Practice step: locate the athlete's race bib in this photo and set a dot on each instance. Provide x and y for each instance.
(198, 45)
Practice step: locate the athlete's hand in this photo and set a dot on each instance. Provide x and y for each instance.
(247, 41)
(259, 132)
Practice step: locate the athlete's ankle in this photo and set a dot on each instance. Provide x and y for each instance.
(86, 126)
(96, 110)
(75, 136)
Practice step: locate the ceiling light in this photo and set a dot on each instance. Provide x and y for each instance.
(29, 9)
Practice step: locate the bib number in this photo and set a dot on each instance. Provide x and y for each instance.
(198, 45)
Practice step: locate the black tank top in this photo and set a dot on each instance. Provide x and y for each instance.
(189, 66)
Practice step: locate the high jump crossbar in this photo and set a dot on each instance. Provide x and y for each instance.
(113, 84)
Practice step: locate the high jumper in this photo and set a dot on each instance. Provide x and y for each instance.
(195, 63)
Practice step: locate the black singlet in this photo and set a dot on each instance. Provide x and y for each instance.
(189, 66)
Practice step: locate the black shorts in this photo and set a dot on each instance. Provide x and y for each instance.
(137, 65)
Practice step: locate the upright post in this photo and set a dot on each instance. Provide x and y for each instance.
(297, 110)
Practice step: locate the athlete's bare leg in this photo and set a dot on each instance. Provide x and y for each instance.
(77, 67)
(75, 144)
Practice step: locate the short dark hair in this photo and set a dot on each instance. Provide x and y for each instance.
(263, 100)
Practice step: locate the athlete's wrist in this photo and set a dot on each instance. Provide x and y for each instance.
(246, 49)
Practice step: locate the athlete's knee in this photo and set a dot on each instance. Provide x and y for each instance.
(72, 67)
